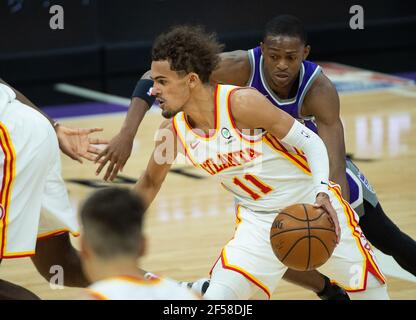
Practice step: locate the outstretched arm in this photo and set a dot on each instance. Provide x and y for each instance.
(119, 149)
(159, 164)
(285, 128)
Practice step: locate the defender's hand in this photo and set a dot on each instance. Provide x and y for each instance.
(117, 153)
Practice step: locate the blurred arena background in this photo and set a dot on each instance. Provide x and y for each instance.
(105, 45)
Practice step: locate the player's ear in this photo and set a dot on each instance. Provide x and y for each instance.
(193, 80)
(306, 52)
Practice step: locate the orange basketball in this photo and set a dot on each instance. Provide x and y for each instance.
(303, 237)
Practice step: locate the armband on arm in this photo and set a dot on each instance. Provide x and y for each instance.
(143, 90)
(314, 148)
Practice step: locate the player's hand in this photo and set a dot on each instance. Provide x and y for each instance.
(77, 144)
(117, 153)
(322, 201)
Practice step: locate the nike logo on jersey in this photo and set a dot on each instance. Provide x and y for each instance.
(305, 134)
(194, 144)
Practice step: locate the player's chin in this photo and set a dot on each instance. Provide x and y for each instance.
(281, 81)
(167, 114)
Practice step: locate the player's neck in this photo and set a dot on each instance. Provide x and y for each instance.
(104, 269)
(200, 108)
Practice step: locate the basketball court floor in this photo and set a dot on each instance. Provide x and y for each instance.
(193, 217)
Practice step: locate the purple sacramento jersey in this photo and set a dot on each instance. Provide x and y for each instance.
(309, 71)
(359, 187)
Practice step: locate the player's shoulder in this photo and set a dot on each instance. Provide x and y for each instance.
(236, 56)
(233, 67)
(321, 87)
(242, 96)
(322, 98)
(242, 100)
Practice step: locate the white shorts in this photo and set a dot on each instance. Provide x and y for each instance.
(30, 177)
(250, 254)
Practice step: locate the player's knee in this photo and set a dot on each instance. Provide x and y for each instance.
(228, 285)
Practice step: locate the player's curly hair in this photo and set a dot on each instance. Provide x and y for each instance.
(188, 49)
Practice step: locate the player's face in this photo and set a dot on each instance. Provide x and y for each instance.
(170, 88)
(283, 56)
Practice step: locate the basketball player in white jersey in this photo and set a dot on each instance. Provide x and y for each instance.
(217, 128)
(112, 241)
(36, 216)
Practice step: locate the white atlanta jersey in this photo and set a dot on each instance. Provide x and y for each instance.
(265, 176)
(263, 173)
(132, 288)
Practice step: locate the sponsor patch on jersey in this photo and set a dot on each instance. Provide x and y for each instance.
(226, 133)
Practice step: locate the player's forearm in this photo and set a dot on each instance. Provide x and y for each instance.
(137, 109)
(333, 137)
(338, 175)
(314, 148)
(146, 189)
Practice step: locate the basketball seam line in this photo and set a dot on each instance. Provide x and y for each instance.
(296, 229)
(323, 243)
(287, 214)
(300, 239)
(287, 253)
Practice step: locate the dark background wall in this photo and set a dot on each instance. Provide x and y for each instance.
(105, 44)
